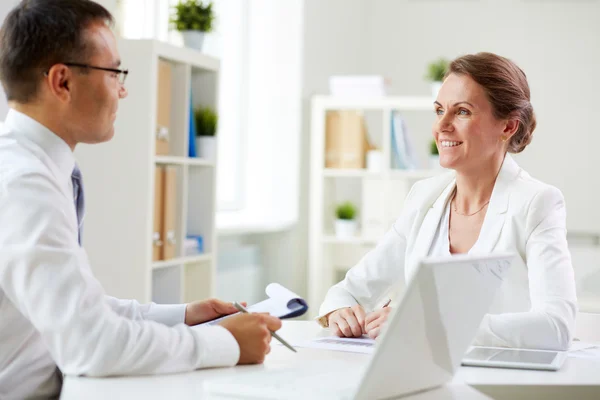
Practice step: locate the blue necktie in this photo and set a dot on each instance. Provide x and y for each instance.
(78, 198)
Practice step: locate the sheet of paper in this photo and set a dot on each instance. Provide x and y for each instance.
(577, 345)
(276, 291)
(364, 344)
(585, 350)
(277, 303)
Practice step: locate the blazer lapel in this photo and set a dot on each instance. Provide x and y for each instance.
(427, 222)
(496, 214)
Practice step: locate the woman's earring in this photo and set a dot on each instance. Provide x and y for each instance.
(503, 138)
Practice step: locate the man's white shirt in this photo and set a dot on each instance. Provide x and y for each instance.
(56, 318)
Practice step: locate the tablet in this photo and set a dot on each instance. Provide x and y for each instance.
(514, 358)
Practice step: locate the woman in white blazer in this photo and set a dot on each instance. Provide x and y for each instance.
(486, 204)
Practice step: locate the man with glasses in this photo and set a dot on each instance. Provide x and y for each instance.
(60, 69)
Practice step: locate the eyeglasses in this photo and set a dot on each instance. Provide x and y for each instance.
(121, 73)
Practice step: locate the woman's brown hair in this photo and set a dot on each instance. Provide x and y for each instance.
(506, 87)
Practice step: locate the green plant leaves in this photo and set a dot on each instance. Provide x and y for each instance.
(433, 149)
(193, 15)
(206, 121)
(436, 70)
(345, 210)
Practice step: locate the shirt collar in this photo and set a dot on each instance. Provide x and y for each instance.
(55, 148)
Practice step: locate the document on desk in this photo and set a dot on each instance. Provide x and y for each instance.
(585, 350)
(363, 344)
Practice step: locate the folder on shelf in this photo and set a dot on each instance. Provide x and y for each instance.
(282, 303)
(192, 151)
(346, 141)
(169, 212)
(403, 155)
(163, 108)
(157, 238)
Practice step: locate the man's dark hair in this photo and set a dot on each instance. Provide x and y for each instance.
(40, 33)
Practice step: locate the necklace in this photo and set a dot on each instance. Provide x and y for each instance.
(467, 215)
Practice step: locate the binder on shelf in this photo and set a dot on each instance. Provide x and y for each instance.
(403, 154)
(194, 244)
(169, 212)
(163, 108)
(192, 151)
(157, 232)
(346, 142)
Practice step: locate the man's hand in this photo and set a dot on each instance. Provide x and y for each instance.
(206, 310)
(375, 320)
(348, 322)
(252, 332)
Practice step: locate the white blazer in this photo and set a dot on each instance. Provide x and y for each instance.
(536, 305)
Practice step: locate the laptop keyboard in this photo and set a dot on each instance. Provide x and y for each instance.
(288, 384)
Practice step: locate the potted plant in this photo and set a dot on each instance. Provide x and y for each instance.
(435, 74)
(206, 131)
(434, 155)
(345, 224)
(193, 18)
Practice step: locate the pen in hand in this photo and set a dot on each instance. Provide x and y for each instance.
(242, 309)
(386, 304)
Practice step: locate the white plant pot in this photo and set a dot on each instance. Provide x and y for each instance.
(435, 89)
(434, 161)
(206, 147)
(345, 228)
(193, 39)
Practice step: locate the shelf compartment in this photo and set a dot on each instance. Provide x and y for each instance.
(166, 285)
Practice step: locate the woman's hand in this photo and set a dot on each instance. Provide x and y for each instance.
(375, 320)
(348, 322)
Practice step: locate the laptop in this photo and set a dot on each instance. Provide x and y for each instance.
(420, 347)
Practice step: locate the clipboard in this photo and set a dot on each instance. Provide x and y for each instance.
(281, 303)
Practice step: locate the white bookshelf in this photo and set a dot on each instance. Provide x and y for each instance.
(329, 255)
(119, 182)
(181, 260)
(172, 160)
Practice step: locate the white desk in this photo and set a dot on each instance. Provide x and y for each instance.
(579, 378)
